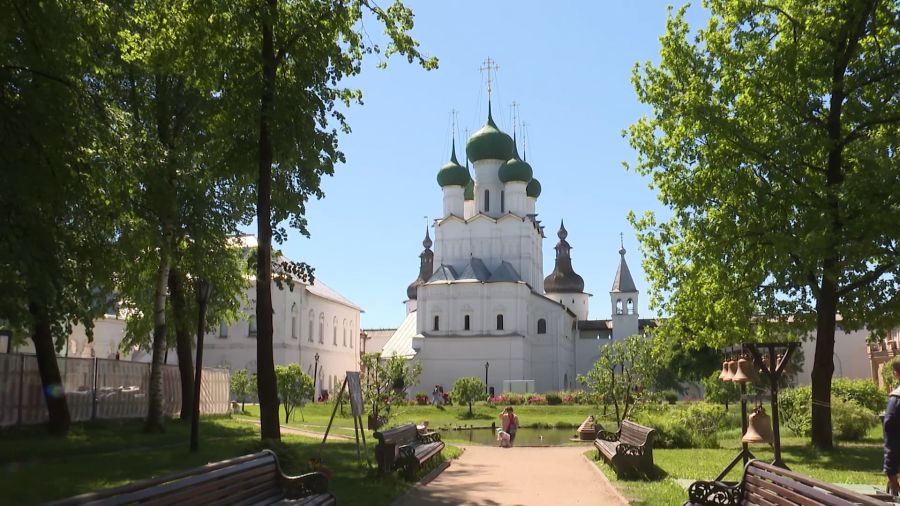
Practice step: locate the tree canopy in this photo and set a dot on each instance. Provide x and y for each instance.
(773, 138)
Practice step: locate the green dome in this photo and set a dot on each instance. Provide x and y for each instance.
(453, 174)
(469, 192)
(533, 189)
(515, 169)
(489, 143)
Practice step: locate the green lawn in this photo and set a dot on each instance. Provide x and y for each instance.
(858, 463)
(35, 468)
(315, 416)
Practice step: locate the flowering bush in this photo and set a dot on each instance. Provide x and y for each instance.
(536, 399)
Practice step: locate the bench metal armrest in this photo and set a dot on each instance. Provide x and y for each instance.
(715, 493)
(627, 449)
(305, 485)
(431, 437)
(607, 435)
(407, 452)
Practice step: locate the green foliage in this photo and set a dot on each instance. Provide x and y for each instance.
(864, 391)
(720, 392)
(294, 387)
(851, 420)
(887, 373)
(794, 407)
(697, 426)
(384, 382)
(553, 398)
(774, 157)
(624, 373)
(467, 391)
(243, 385)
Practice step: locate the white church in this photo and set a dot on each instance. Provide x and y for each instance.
(481, 305)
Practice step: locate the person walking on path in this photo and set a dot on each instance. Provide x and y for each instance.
(510, 423)
(892, 435)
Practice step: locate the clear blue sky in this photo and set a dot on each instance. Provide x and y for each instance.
(568, 65)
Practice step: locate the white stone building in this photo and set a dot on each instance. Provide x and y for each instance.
(311, 321)
(481, 306)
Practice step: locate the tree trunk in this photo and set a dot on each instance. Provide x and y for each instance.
(823, 367)
(265, 362)
(51, 381)
(183, 342)
(155, 398)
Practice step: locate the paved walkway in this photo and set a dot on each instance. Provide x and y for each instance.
(491, 476)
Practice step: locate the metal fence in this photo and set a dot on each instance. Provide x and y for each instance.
(99, 389)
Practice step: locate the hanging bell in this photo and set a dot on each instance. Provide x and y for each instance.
(745, 372)
(727, 373)
(723, 376)
(732, 368)
(759, 428)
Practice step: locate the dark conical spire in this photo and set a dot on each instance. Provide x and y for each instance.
(452, 154)
(623, 281)
(563, 279)
(426, 267)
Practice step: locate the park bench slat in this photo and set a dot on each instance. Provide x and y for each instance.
(404, 447)
(633, 459)
(768, 485)
(250, 479)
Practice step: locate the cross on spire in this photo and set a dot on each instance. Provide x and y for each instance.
(489, 65)
(621, 240)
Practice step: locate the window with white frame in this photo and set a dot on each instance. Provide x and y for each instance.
(321, 328)
(334, 331)
(312, 317)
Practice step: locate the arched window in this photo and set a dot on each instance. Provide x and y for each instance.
(499, 322)
(351, 336)
(251, 327)
(345, 333)
(629, 306)
(312, 316)
(542, 326)
(321, 328)
(437, 322)
(223, 329)
(334, 331)
(295, 324)
(619, 308)
(487, 201)
(466, 322)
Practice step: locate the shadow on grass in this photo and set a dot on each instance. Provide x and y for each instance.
(841, 458)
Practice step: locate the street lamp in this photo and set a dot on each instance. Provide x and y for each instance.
(486, 366)
(202, 289)
(315, 376)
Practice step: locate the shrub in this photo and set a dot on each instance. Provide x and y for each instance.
(887, 373)
(536, 399)
(553, 398)
(670, 396)
(513, 399)
(670, 432)
(795, 410)
(863, 391)
(720, 392)
(850, 420)
(703, 418)
(581, 397)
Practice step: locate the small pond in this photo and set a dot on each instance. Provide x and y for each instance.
(524, 437)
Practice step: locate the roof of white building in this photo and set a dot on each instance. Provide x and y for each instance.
(326, 292)
(401, 342)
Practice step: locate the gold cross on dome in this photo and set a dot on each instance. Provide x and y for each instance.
(488, 66)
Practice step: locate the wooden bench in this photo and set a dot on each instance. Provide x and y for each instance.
(629, 450)
(405, 447)
(251, 479)
(764, 483)
(587, 431)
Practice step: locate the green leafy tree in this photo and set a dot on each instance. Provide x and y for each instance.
(467, 390)
(720, 392)
(186, 205)
(61, 182)
(280, 83)
(773, 137)
(384, 383)
(294, 388)
(624, 374)
(243, 385)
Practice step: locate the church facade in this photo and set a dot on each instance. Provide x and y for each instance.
(481, 305)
